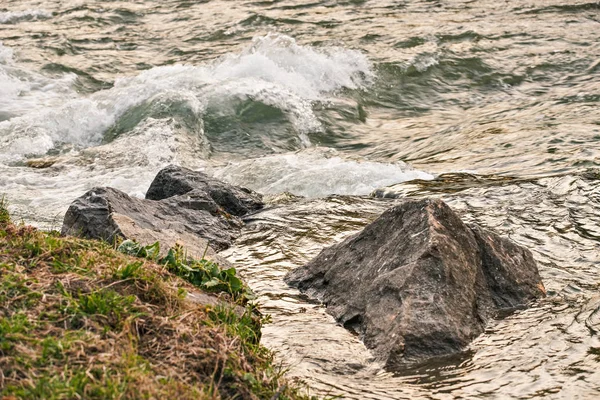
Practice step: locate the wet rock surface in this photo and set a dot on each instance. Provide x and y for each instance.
(215, 194)
(182, 207)
(419, 284)
(107, 213)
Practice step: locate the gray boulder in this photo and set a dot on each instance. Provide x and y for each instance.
(107, 213)
(176, 181)
(181, 207)
(418, 283)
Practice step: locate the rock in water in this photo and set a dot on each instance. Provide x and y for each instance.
(107, 213)
(418, 283)
(185, 207)
(175, 181)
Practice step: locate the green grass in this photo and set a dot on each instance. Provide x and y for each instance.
(79, 319)
(4, 215)
(106, 307)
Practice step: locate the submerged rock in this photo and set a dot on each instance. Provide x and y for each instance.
(418, 283)
(183, 207)
(175, 181)
(41, 163)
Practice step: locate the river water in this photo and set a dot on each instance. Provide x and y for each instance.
(346, 106)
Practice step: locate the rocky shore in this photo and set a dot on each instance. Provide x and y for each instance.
(417, 285)
(117, 318)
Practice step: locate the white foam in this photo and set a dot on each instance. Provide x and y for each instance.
(424, 61)
(23, 91)
(11, 17)
(306, 71)
(6, 54)
(42, 196)
(129, 163)
(274, 70)
(10, 86)
(316, 173)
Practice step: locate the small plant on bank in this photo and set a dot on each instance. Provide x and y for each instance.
(4, 215)
(204, 274)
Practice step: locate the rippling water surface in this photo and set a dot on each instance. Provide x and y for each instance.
(490, 105)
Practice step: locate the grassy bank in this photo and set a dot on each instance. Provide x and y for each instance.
(80, 320)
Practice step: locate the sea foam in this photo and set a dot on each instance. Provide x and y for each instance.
(274, 70)
(316, 172)
(23, 91)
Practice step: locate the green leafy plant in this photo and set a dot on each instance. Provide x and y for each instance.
(132, 248)
(203, 273)
(245, 325)
(129, 270)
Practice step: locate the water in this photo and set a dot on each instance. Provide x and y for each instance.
(492, 106)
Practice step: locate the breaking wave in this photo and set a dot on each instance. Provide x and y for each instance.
(274, 70)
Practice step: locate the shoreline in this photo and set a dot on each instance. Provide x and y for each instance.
(82, 320)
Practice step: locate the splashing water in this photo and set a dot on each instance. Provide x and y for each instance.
(316, 173)
(274, 70)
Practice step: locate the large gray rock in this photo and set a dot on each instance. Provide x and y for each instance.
(182, 207)
(176, 181)
(418, 283)
(107, 213)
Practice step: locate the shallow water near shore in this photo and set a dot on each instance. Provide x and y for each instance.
(549, 349)
(492, 106)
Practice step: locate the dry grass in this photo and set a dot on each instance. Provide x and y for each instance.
(72, 328)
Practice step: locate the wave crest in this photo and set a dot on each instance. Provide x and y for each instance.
(275, 70)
